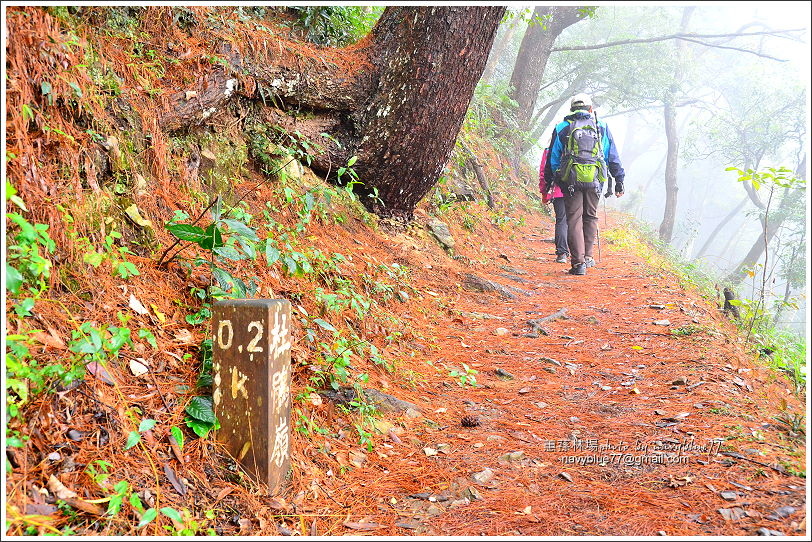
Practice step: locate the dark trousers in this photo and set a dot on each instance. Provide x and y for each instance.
(561, 246)
(582, 222)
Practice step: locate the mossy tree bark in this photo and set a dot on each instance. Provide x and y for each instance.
(399, 111)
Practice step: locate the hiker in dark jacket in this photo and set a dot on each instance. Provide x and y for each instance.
(581, 198)
(552, 192)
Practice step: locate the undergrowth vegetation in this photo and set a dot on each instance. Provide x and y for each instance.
(782, 350)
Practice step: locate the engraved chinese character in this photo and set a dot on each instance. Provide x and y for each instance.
(280, 443)
(280, 338)
(280, 387)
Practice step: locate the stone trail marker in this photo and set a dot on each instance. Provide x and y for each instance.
(251, 384)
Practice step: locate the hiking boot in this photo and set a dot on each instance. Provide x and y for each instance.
(589, 261)
(578, 269)
(562, 258)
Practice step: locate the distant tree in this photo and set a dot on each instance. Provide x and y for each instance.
(792, 191)
(670, 99)
(750, 122)
(398, 108)
(503, 45)
(658, 77)
(545, 26)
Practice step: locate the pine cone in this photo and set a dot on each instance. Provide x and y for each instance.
(470, 421)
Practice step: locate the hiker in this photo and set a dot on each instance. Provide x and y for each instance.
(581, 149)
(552, 192)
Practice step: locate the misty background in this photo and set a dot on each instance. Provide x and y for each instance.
(740, 101)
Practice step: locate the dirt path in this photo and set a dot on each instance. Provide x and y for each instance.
(682, 419)
(600, 423)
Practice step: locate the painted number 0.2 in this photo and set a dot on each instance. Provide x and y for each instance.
(225, 335)
(252, 346)
(225, 345)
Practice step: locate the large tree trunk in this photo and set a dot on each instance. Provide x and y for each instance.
(531, 62)
(398, 109)
(430, 60)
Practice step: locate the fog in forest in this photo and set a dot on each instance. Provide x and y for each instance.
(740, 101)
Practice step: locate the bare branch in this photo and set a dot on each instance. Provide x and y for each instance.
(734, 49)
(683, 35)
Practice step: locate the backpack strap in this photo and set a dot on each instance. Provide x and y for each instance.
(567, 156)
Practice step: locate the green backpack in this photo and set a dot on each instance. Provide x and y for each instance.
(583, 160)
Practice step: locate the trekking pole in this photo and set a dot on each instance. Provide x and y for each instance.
(598, 231)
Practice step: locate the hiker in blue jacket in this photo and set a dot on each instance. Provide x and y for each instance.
(581, 151)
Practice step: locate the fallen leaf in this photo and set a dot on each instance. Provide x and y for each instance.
(184, 336)
(161, 316)
(138, 368)
(51, 339)
(224, 493)
(405, 525)
(40, 509)
(86, 507)
(679, 482)
(176, 449)
(174, 480)
(137, 306)
(357, 459)
(59, 490)
(362, 525)
(278, 503)
(97, 369)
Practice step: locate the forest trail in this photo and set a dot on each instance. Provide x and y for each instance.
(606, 382)
(640, 412)
(684, 419)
